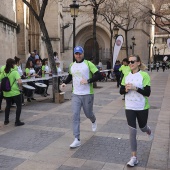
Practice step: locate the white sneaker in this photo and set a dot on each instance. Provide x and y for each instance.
(13, 105)
(133, 161)
(150, 134)
(75, 143)
(94, 126)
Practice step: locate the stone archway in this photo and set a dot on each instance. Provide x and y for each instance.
(88, 49)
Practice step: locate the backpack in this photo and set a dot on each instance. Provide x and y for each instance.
(5, 84)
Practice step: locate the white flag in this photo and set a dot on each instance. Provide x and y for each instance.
(117, 47)
(168, 42)
(165, 58)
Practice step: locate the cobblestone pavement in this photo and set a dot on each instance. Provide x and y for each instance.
(43, 142)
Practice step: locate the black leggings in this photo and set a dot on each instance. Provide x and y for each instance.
(47, 83)
(17, 99)
(140, 115)
(1, 97)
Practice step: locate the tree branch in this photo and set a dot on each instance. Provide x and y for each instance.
(31, 8)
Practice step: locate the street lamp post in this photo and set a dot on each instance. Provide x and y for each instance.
(149, 44)
(155, 52)
(158, 54)
(133, 44)
(116, 30)
(74, 9)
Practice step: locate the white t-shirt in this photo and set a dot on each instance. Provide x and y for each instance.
(32, 71)
(56, 58)
(157, 64)
(59, 70)
(20, 71)
(37, 57)
(46, 69)
(133, 99)
(100, 64)
(80, 71)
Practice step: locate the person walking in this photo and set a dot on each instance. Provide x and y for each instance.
(81, 72)
(163, 65)
(117, 72)
(124, 69)
(100, 65)
(157, 66)
(14, 93)
(152, 66)
(136, 87)
(108, 63)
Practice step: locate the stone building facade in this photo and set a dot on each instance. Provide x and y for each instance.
(8, 29)
(25, 35)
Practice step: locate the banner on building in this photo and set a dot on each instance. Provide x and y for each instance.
(168, 43)
(117, 47)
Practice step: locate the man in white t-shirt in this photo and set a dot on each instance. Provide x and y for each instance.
(56, 56)
(157, 66)
(80, 72)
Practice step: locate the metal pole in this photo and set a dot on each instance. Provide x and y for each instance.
(149, 58)
(133, 48)
(74, 29)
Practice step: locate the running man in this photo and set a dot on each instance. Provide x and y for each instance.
(81, 72)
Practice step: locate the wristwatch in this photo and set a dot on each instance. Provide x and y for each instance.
(88, 81)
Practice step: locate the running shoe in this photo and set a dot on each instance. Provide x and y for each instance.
(94, 126)
(76, 143)
(133, 161)
(150, 134)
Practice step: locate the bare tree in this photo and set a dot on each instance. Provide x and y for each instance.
(124, 14)
(95, 4)
(158, 14)
(39, 17)
(109, 13)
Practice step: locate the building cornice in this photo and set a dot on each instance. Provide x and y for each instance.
(8, 21)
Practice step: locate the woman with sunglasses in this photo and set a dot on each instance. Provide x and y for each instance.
(136, 87)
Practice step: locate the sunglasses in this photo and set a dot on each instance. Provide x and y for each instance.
(131, 62)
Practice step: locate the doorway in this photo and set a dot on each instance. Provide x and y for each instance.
(88, 50)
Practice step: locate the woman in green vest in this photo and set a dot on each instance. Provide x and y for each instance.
(14, 93)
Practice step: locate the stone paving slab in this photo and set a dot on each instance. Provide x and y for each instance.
(28, 139)
(112, 150)
(121, 127)
(9, 163)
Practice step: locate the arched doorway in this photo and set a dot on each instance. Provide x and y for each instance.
(88, 49)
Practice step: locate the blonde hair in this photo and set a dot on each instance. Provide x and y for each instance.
(142, 66)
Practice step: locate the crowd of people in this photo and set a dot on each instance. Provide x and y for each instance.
(13, 73)
(157, 65)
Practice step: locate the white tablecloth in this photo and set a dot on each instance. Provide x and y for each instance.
(43, 78)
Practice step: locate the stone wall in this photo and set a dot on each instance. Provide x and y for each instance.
(8, 40)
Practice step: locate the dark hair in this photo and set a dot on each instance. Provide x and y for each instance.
(44, 60)
(37, 60)
(55, 53)
(28, 64)
(16, 59)
(9, 64)
(125, 60)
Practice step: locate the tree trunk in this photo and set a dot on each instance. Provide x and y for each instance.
(51, 57)
(96, 59)
(111, 45)
(126, 43)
